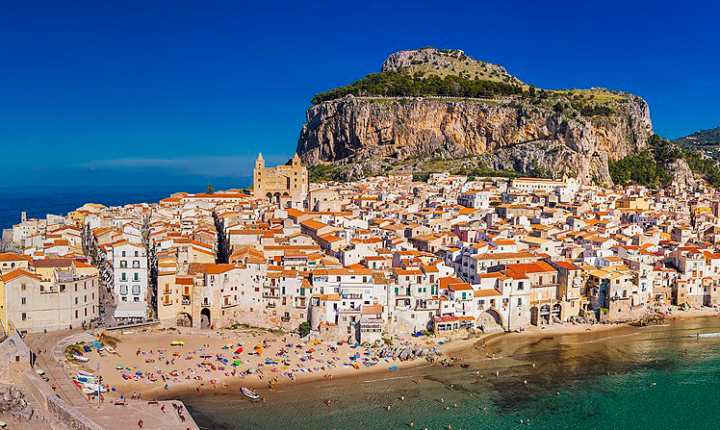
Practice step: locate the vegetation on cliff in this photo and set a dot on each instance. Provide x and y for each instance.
(397, 84)
(474, 117)
(707, 141)
(653, 166)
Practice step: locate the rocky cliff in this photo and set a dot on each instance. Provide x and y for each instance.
(546, 134)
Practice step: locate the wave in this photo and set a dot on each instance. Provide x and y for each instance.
(706, 335)
(603, 338)
(388, 379)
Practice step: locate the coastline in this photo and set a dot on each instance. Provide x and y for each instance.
(490, 342)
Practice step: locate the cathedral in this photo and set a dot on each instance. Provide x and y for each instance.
(281, 183)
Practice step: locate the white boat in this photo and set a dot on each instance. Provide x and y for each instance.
(93, 388)
(84, 373)
(250, 393)
(80, 358)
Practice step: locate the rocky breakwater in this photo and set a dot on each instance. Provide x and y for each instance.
(408, 353)
(14, 406)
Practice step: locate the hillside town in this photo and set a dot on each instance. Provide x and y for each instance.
(366, 259)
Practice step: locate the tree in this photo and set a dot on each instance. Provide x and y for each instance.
(304, 329)
(210, 189)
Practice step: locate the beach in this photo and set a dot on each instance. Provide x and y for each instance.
(157, 365)
(165, 363)
(554, 379)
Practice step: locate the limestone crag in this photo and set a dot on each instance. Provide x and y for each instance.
(365, 136)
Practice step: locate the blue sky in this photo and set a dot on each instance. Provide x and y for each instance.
(181, 92)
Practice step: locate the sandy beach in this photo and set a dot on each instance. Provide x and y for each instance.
(147, 363)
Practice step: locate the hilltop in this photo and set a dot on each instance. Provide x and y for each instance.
(433, 109)
(707, 141)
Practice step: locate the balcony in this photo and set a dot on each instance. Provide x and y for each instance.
(272, 305)
(285, 319)
(352, 296)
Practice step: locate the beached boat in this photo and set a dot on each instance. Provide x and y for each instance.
(84, 373)
(93, 389)
(80, 358)
(249, 393)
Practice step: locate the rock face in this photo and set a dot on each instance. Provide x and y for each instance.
(366, 136)
(13, 406)
(436, 61)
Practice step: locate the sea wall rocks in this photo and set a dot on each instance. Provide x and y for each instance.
(408, 353)
(15, 407)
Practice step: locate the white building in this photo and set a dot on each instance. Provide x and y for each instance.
(130, 280)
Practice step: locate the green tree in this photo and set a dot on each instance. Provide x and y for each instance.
(304, 328)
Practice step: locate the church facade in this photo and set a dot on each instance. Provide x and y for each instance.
(287, 182)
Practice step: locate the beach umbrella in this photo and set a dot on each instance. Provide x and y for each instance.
(238, 351)
(237, 363)
(251, 370)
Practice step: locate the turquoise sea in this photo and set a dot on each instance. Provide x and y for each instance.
(658, 377)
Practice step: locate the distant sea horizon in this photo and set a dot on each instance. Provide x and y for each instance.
(39, 201)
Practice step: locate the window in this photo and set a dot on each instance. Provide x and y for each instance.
(24, 316)
(136, 290)
(123, 264)
(136, 276)
(137, 253)
(24, 301)
(23, 287)
(123, 254)
(123, 276)
(123, 290)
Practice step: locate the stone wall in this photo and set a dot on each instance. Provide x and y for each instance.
(61, 411)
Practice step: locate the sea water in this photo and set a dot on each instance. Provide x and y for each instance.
(58, 200)
(658, 377)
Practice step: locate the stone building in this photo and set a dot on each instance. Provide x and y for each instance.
(281, 184)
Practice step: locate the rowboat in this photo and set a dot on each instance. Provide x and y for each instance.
(250, 393)
(84, 373)
(93, 389)
(80, 358)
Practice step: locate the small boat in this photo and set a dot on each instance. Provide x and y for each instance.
(80, 358)
(250, 393)
(93, 390)
(464, 365)
(84, 373)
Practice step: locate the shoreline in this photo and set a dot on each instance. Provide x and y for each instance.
(259, 381)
